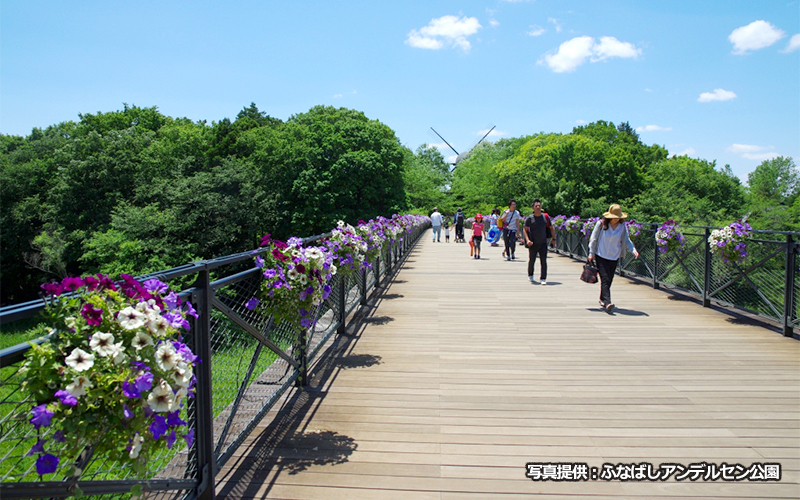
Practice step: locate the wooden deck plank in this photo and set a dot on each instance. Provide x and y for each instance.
(461, 371)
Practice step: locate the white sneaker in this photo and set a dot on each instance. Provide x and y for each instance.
(530, 278)
(544, 282)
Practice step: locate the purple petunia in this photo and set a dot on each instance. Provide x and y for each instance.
(71, 283)
(172, 300)
(190, 310)
(176, 320)
(155, 286)
(189, 437)
(252, 303)
(130, 391)
(37, 448)
(171, 440)
(259, 262)
(159, 426)
(184, 351)
(41, 416)
(270, 273)
(174, 419)
(54, 289)
(144, 382)
(126, 412)
(46, 464)
(58, 437)
(92, 314)
(66, 398)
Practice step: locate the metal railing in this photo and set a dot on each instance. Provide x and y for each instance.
(248, 362)
(767, 284)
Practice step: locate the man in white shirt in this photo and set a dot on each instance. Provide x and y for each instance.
(436, 222)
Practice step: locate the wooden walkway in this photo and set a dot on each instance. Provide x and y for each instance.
(460, 372)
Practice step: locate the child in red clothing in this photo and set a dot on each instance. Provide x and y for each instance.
(478, 232)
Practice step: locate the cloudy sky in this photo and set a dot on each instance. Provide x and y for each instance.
(716, 80)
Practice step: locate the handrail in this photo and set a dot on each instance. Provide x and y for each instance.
(226, 335)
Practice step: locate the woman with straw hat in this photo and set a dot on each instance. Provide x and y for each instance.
(609, 241)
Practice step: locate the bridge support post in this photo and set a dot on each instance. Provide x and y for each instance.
(204, 426)
(788, 290)
(707, 270)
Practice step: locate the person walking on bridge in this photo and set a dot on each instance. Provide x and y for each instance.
(436, 223)
(608, 243)
(537, 233)
(510, 218)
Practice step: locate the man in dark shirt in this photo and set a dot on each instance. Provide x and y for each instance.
(537, 232)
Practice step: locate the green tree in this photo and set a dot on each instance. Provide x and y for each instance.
(427, 177)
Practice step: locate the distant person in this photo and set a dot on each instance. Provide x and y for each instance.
(458, 220)
(478, 232)
(510, 218)
(492, 220)
(608, 243)
(447, 232)
(537, 233)
(436, 223)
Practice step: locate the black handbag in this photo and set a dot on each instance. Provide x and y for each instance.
(589, 274)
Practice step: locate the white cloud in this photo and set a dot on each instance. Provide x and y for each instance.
(493, 133)
(745, 148)
(576, 51)
(686, 152)
(752, 151)
(536, 30)
(761, 156)
(717, 95)
(556, 23)
(754, 36)
(653, 128)
(494, 23)
(581, 122)
(794, 44)
(450, 31)
(337, 96)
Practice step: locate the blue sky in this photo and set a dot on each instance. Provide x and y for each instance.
(717, 80)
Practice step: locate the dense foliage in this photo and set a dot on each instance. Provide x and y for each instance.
(134, 191)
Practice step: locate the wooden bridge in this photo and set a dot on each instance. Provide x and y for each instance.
(459, 372)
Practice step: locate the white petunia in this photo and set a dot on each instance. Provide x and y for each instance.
(79, 385)
(303, 279)
(141, 340)
(332, 269)
(167, 357)
(130, 318)
(292, 274)
(136, 446)
(102, 343)
(183, 374)
(161, 399)
(80, 360)
(158, 325)
(118, 354)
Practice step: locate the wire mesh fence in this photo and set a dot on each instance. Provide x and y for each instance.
(251, 361)
(765, 284)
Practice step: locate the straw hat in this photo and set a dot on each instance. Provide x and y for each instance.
(615, 212)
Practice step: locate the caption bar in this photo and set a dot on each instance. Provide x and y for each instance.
(645, 471)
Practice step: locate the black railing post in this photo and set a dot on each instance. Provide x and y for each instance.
(302, 358)
(788, 292)
(204, 437)
(342, 307)
(655, 267)
(707, 270)
(363, 286)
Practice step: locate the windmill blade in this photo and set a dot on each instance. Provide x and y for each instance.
(484, 136)
(445, 141)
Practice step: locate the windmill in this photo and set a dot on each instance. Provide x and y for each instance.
(462, 156)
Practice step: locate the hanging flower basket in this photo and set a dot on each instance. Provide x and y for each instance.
(296, 281)
(114, 378)
(588, 226)
(573, 224)
(730, 242)
(669, 238)
(347, 248)
(559, 221)
(634, 229)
